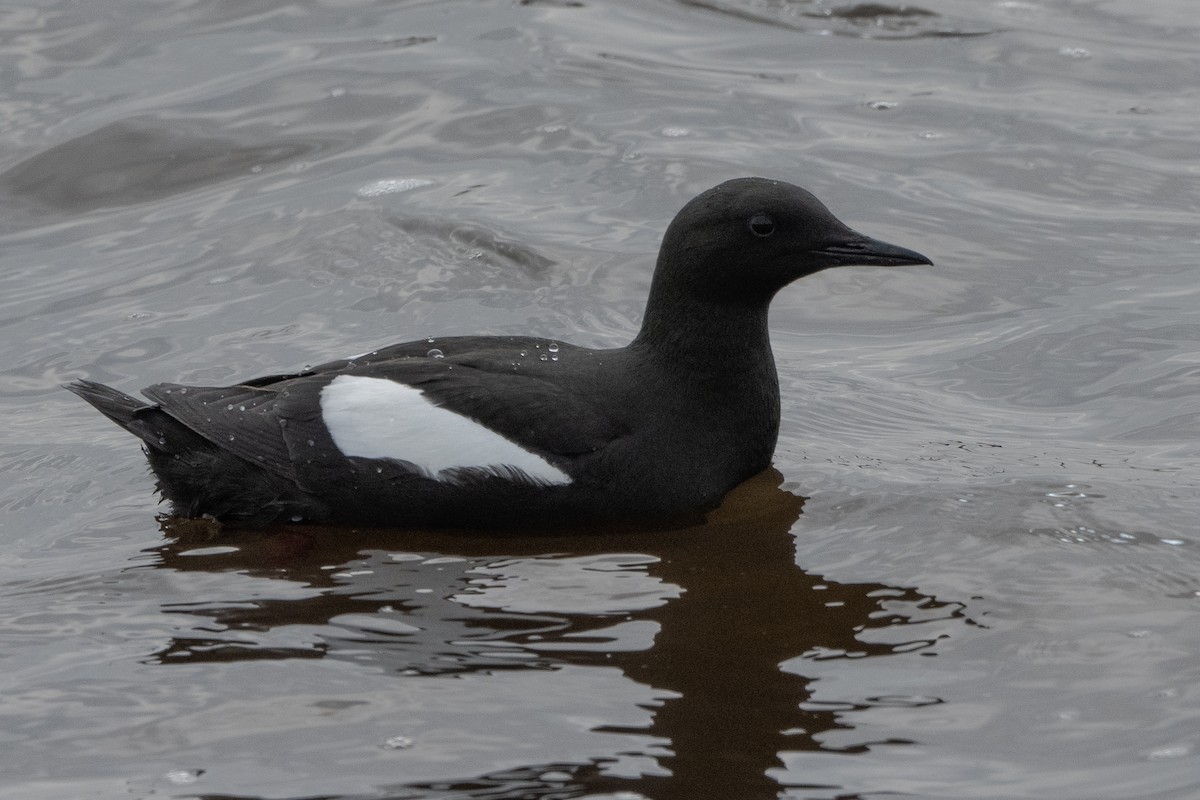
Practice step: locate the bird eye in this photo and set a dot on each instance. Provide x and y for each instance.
(761, 225)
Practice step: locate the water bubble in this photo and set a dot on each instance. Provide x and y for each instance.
(881, 105)
(544, 357)
(183, 777)
(183, 390)
(552, 347)
(1074, 52)
(397, 743)
(429, 340)
(241, 408)
(435, 353)
(311, 443)
(1171, 751)
(524, 353)
(392, 186)
(232, 437)
(1020, 8)
(297, 518)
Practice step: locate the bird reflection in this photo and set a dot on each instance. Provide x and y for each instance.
(712, 617)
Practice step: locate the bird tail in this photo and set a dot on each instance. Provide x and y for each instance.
(117, 406)
(145, 421)
(196, 476)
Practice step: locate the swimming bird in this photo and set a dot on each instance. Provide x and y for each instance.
(503, 431)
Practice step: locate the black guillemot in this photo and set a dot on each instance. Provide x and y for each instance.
(503, 431)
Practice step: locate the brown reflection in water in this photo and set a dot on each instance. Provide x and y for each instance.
(744, 610)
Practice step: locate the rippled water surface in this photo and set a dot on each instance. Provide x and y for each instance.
(993, 588)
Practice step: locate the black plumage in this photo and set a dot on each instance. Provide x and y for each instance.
(661, 427)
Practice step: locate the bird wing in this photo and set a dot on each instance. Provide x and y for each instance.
(242, 420)
(280, 425)
(548, 416)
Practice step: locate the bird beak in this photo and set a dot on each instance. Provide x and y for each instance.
(864, 251)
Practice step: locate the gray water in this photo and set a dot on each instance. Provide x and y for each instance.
(993, 588)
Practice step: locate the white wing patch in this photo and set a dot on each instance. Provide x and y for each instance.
(378, 418)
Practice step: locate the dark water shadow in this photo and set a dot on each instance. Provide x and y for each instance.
(139, 160)
(728, 603)
(856, 20)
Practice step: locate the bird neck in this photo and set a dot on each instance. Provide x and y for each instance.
(706, 336)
